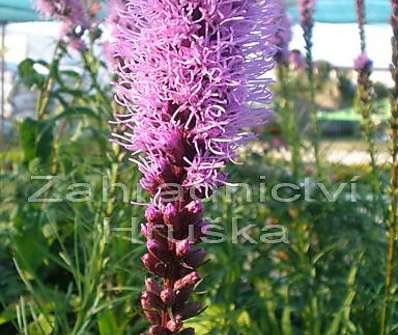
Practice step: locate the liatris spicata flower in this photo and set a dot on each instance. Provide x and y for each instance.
(71, 13)
(188, 70)
(363, 66)
(360, 8)
(283, 34)
(363, 63)
(307, 8)
(307, 24)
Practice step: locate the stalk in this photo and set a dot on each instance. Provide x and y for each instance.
(307, 24)
(361, 14)
(45, 94)
(365, 106)
(393, 209)
(363, 66)
(291, 133)
(89, 67)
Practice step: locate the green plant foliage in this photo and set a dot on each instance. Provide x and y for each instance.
(29, 75)
(36, 140)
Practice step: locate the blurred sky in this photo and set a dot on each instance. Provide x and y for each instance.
(339, 43)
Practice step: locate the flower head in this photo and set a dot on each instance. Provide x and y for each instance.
(363, 63)
(307, 8)
(71, 13)
(189, 69)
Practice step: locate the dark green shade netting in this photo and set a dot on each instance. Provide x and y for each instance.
(330, 11)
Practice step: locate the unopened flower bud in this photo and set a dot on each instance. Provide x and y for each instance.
(174, 325)
(153, 265)
(183, 248)
(146, 231)
(194, 210)
(150, 301)
(170, 214)
(167, 296)
(189, 280)
(153, 316)
(158, 250)
(152, 214)
(152, 286)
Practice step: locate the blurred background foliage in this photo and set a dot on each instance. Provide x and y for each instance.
(72, 265)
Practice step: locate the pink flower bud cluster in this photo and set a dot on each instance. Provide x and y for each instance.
(362, 63)
(188, 72)
(307, 8)
(73, 15)
(360, 9)
(394, 17)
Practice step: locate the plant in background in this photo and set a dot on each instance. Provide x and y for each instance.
(283, 34)
(365, 95)
(392, 220)
(307, 8)
(72, 14)
(296, 60)
(65, 241)
(288, 121)
(189, 68)
(363, 66)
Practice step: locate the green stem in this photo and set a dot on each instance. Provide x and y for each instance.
(315, 138)
(86, 55)
(45, 94)
(365, 107)
(393, 209)
(288, 121)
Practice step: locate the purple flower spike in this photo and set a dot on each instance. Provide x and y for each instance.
(362, 63)
(307, 12)
(307, 8)
(394, 17)
(187, 74)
